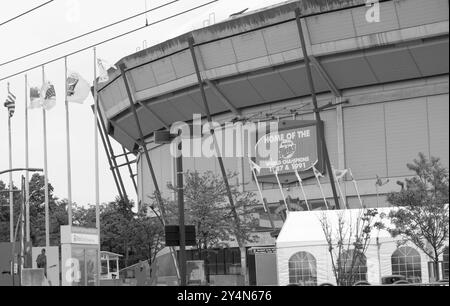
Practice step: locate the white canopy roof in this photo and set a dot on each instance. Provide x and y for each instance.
(304, 228)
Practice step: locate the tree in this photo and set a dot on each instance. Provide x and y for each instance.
(57, 212)
(122, 231)
(348, 243)
(207, 208)
(422, 215)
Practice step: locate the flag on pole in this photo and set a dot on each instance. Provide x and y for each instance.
(10, 103)
(255, 166)
(355, 183)
(103, 67)
(379, 182)
(78, 88)
(340, 174)
(317, 172)
(318, 175)
(300, 181)
(35, 98)
(44, 97)
(48, 96)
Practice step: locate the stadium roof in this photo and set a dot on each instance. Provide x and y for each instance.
(255, 59)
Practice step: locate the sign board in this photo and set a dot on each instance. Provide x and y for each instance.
(263, 250)
(195, 272)
(172, 233)
(77, 238)
(79, 235)
(294, 147)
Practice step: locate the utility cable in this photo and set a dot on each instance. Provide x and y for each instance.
(85, 34)
(109, 39)
(27, 12)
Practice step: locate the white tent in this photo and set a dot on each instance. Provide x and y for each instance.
(302, 232)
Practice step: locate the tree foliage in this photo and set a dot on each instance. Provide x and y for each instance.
(207, 207)
(57, 212)
(347, 242)
(135, 235)
(422, 215)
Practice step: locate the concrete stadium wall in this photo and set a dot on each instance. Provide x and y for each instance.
(383, 128)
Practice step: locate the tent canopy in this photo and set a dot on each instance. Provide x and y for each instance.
(304, 228)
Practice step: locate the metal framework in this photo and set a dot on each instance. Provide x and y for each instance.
(317, 110)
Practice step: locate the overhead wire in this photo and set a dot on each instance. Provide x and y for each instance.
(25, 13)
(109, 39)
(87, 33)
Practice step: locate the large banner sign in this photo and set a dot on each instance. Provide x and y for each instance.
(294, 147)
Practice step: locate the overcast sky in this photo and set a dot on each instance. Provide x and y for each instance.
(60, 20)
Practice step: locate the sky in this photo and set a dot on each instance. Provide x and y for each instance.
(61, 20)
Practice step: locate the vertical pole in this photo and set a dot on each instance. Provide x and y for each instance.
(69, 169)
(282, 192)
(22, 231)
(97, 187)
(299, 178)
(47, 219)
(182, 258)
(316, 107)
(11, 191)
(27, 161)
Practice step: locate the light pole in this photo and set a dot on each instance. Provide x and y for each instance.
(164, 137)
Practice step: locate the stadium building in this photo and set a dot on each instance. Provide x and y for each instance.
(385, 76)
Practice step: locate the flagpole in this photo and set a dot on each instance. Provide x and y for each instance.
(303, 190)
(27, 160)
(282, 193)
(257, 185)
(320, 187)
(47, 219)
(69, 168)
(11, 193)
(97, 193)
(356, 188)
(339, 188)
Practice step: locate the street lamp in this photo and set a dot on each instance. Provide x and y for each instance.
(165, 137)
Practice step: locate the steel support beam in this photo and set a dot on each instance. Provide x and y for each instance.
(316, 108)
(141, 139)
(159, 200)
(130, 170)
(325, 76)
(110, 152)
(147, 108)
(224, 99)
(219, 157)
(109, 159)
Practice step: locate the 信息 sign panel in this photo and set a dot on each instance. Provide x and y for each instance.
(294, 147)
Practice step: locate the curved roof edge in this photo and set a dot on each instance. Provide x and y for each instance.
(232, 26)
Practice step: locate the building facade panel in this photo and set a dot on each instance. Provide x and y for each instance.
(406, 133)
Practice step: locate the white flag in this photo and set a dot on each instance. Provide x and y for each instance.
(340, 173)
(255, 166)
(77, 88)
(317, 172)
(103, 67)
